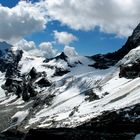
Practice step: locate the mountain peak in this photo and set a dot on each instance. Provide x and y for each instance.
(135, 37)
(110, 59)
(62, 56)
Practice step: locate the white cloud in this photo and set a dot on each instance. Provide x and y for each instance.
(70, 51)
(36, 52)
(112, 16)
(47, 49)
(25, 45)
(64, 38)
(23, 19)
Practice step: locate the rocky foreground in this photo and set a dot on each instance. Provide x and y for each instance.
(123, 124)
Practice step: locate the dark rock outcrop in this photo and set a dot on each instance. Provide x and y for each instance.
(9, 63)
(24, 86)
(12, 135)
(75, 134)
(130, 71)
(91, 96)
(62, 56)
(19, 87)
(116, 122)
(12, 85)
(33, 73)
(115, 125)
(43, 82)
(60, 72)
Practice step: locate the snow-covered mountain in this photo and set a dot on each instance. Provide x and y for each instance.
(71, 91)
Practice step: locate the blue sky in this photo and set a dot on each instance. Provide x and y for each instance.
(88, 43)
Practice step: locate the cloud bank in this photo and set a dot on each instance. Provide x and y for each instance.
(112, 16)
(23, 19)
(119, 17)
(25, 45)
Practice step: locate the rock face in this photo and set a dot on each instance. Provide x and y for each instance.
(103, 61)
(123, 124)
(21, 85)
(121, 121)
(60, 72)
(9, 62)
(8, 59)
(44, 82)
(33, 73)
(24, 86)
(110, 59)
(75, 134)
(130, 71)
(62, 56)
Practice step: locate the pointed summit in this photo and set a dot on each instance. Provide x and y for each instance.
(136, 34)
(62, 56)
(132, 42)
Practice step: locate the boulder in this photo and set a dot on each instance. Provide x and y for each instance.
(43, 82)
(33, 73)
(130, 71)
(60, 72)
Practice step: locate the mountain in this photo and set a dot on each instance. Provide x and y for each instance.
(110, 59)
(71, 96)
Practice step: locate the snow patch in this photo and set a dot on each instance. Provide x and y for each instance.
(131, 57)
(2, 92)
(137, 137)
(21, 115)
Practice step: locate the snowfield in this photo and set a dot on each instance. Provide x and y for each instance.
(20, 116)
(2, 92)
(74, 98)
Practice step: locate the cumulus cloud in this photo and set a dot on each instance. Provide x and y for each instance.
(111, 16)
(47, 49)
(70, 51)
(23, 19)
(64, 38)
(25, 45)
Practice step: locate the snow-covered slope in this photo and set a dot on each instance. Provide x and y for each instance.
(64, 91)
(73, 97)
(131, 57)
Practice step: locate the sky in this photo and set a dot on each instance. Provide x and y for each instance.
(90, 27)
